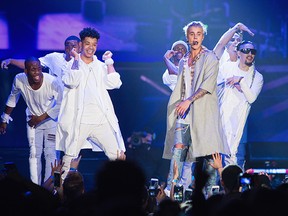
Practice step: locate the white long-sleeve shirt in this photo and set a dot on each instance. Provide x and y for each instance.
(54, 61)
(169, 79)
(234, 104)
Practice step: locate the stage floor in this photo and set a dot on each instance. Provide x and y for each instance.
(151, 162)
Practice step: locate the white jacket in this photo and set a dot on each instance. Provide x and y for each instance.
(72, 105)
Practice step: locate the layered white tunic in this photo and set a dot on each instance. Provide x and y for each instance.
(235, 105)
(73, 103)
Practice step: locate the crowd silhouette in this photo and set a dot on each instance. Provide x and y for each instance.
(121, 188)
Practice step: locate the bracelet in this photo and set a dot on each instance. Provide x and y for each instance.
(6, 118)
(174, 181)
(109, 61)
(72, 169)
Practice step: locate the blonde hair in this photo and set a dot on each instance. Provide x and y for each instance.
(197, 24)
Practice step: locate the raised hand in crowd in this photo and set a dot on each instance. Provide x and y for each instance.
(217, 162)
(49, 183)
(75, 163)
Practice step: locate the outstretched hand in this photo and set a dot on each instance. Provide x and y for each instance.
(57, 167)
(243, 27)
(217, 161)
(5, 63)
(75, 162)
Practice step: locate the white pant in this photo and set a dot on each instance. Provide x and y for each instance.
(41, 141)
(101, 135)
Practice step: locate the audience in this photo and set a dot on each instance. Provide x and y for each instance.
(121, 189)
(20, 196)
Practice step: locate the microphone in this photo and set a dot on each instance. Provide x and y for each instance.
(193, 43)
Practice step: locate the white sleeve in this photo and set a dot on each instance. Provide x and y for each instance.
(169, 79)
(14, 94)
(252, 93)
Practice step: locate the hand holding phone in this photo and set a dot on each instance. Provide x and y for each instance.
(244, 181)
(188, 194)
(178, 193)
(57, 179)
(153, 187)
(215, 189)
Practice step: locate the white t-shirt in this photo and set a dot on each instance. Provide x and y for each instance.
(45, 99)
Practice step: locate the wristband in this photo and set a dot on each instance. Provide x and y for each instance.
(174, 181)
(6, 118)
(109, 61)
(72, 169)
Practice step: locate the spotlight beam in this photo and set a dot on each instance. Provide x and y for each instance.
(155, 85)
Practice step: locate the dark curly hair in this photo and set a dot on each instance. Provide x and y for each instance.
(89, 32)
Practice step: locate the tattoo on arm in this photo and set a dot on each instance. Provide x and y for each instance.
(198, 94)
(75, 65)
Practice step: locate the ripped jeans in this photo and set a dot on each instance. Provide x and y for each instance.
(181, 145)
(185, 169)
(41, 141)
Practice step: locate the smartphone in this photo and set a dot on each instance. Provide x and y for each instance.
(154, 182)
(245, 182)
(188, 194)
(57, 179)
(178, 193)
(215, 189)
(153, 187)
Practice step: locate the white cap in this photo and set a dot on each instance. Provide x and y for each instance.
(180, 42)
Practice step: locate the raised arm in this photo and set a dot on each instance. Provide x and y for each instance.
(226, 37)
(107, 58)
(172, 69)
(17, 62)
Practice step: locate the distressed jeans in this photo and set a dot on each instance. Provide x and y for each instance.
(41, 141)
(182, 136)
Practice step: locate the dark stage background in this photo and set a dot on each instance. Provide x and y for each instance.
(139, 33)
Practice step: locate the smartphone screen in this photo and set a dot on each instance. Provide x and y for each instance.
(153, 187)
(215, 189)
(245, 182)
(188, 194)
(154, 182)
(178, 193)
(57, 179)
